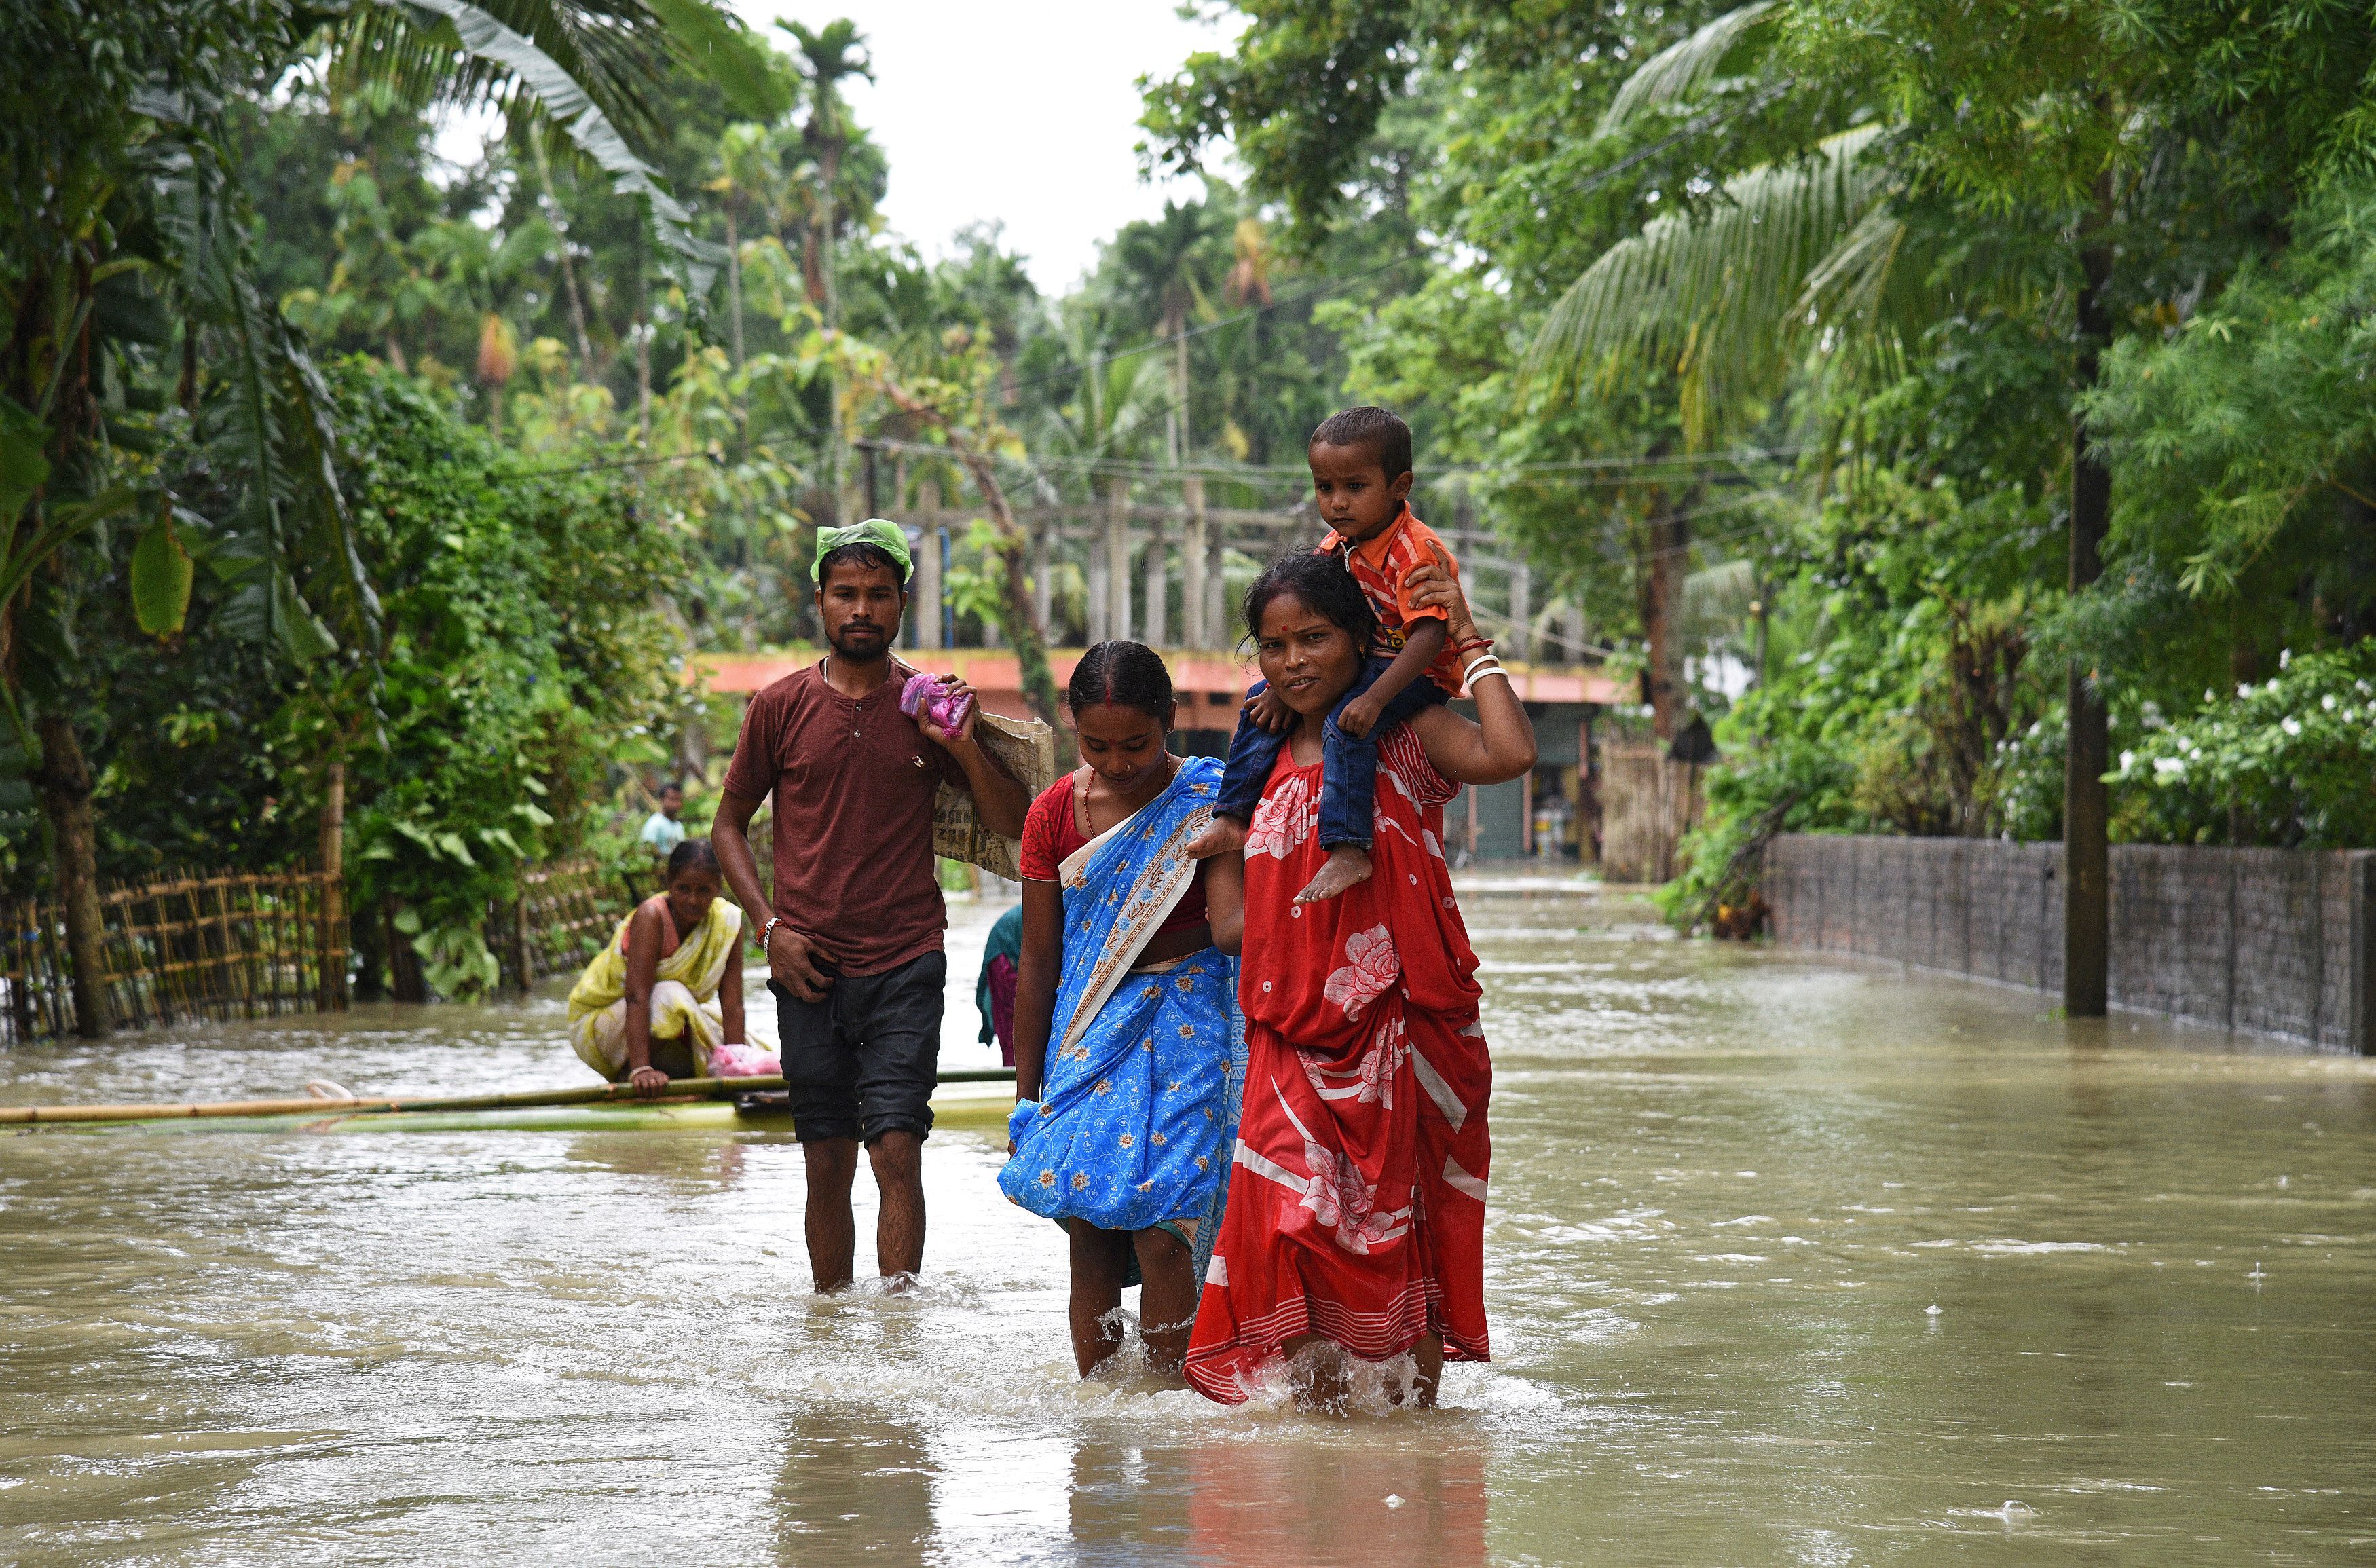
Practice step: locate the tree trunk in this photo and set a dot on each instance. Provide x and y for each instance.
(2086, 802)
(1024, 629)
(830, 168)
(65, 782)
(334, 887)
(1175, 427)
(405, 982)
(1659, 590)
(643, 343)
(586, 366)
(1520, 635)
(734, 283)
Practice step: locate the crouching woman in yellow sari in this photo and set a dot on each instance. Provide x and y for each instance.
(666, 994)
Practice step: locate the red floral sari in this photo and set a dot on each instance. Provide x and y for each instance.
(1357, 1210)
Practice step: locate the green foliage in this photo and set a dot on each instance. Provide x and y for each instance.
(2249, 431)
(1794, 787)
(2288, 761)
(527, 652)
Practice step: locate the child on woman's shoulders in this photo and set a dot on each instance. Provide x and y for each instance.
(1362, 479)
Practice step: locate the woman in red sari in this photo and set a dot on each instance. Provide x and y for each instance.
(1357, 1209)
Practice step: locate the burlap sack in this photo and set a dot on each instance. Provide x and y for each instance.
(1026, 748)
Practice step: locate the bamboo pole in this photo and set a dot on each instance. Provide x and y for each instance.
(683, 1089)
(330, 957)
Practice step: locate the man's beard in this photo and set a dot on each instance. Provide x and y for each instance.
(868, 643)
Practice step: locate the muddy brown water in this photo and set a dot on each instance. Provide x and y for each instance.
(1729, 1188)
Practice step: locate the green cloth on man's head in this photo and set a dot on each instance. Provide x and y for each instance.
(881, 532)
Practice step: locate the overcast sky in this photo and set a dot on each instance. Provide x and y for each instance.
(1018, 112)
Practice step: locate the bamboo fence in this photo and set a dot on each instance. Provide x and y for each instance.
(182, 945)
(186, 946)
(567, 909)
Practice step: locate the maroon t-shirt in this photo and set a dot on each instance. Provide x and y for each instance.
(853, 782)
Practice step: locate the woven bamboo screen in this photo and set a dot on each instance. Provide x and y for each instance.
(181, 945)
(568, 910)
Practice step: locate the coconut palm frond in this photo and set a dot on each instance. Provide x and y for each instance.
(1712, 297)
(716, 43)
(1680, 69)
(509, 67)
(617, 51)
(1717, 599)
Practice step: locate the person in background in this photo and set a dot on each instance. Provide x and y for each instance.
(994, 992)
(663, 832)
(664, 997)
(853, 925)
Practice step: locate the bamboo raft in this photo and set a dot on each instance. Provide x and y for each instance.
(691, 1105)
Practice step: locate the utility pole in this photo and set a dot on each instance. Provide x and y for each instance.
(2086, 802)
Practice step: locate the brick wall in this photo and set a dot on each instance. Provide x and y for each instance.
(2274, 941)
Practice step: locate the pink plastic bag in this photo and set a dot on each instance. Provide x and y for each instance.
(743, 1062)
(924, 697)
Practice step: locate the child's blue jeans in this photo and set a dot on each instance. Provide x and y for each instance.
(1348, 766)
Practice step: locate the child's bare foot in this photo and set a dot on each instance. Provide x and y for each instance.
(1347, 864)
(1224, 835)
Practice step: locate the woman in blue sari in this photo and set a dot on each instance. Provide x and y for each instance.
(1126, 1011)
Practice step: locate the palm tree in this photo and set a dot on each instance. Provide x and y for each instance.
(2022, 107)
(1725, 304)
(828, 58)
(130, 243)
(1106, 426)
(1169, 258)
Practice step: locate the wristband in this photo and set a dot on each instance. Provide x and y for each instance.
(1486, 643)
(769, 930)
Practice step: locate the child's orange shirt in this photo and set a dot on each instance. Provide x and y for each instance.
(1380, 565)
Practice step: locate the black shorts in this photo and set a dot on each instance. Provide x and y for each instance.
(864, 1061)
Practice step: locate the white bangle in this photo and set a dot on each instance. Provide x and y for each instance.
(1489, 665)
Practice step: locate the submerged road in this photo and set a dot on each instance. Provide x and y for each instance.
(1790, 1262)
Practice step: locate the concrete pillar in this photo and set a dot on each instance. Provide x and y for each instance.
(1517, 640)
(1100, 600)
(1192, 565)
(1117, 555)
(924, 586)
(1155, 612)
(1220, 622)
(1571, 627)
(1043, 577)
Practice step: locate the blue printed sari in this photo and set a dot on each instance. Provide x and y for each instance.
(1137, 1110)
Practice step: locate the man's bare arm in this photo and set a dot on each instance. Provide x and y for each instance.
(791, 956)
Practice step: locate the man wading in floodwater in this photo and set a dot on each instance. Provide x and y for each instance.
(853, 932)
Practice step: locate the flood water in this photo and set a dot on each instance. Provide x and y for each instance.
(1789, 1262)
